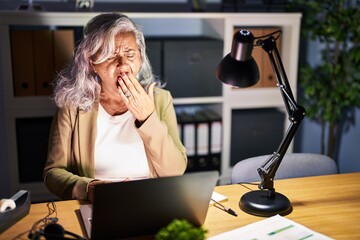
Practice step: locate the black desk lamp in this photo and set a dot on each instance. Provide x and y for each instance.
(239, 69)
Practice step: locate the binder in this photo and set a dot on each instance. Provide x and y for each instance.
(189, 139)
(215, 122)
(267, 75)
(201, 134)
(63, 47)
(202, 139)
(187, 134)
(44, 64)
(37, 54)
(22, 62)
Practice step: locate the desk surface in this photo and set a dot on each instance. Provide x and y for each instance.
(326, 204)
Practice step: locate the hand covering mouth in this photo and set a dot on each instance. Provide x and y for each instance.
(117, 81)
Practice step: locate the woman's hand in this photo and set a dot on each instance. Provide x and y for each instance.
(139, 102)
(92, 184)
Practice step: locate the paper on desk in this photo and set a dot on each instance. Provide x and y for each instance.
(218, 197)
(274, 228)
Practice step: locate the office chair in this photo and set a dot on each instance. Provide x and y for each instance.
(293, 165)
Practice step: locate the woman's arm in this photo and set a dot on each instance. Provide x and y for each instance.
(60, 173)
(161, 138)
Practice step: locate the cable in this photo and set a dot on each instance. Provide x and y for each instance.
(51, 206)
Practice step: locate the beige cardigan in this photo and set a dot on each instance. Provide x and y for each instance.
(70, 162)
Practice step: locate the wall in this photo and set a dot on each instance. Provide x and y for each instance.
(4, 163)
(308, 140)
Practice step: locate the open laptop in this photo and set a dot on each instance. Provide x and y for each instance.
(141, 208)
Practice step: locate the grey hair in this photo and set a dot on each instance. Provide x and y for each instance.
(77, 85)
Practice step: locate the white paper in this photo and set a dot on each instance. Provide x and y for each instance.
(218, 197)
(274, 228)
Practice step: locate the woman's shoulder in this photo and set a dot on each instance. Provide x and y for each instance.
(163, 99)
(74, 111)
(162, 94)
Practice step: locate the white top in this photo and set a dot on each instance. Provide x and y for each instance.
(119, 150)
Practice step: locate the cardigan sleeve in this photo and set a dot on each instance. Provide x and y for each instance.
(161, 138)
(60, 175)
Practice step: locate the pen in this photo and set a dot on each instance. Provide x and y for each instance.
(226, 209)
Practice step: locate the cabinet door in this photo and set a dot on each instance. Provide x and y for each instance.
(32, 143)
(189, 67)
(154, 51)
(255, 132)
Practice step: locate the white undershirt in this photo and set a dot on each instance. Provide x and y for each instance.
(119, 150)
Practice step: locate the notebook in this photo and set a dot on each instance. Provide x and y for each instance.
(142, 207)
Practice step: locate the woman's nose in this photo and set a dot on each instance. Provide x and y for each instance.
(121, 61)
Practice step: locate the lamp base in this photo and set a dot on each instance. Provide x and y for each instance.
(258, 203)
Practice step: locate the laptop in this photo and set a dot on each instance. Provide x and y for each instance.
(124, 210)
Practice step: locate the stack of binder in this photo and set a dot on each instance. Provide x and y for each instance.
(37, 55)
(200, 130)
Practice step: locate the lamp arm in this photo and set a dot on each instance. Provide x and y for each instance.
(296, 114)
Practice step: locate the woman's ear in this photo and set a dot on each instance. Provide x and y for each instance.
(93, 66)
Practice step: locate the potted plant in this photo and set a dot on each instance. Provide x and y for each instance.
(331, 89)
(181, 229)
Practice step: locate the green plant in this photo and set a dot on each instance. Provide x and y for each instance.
(331, 88)
(181, 230)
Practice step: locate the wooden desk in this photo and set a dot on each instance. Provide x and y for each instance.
(327, 204)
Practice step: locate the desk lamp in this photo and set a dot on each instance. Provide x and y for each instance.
(239, 69)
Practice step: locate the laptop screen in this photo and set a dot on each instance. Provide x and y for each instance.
(143, 207)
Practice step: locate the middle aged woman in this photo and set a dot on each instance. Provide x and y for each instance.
(112, 123)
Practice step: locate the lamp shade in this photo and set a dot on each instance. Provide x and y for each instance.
(239, 68)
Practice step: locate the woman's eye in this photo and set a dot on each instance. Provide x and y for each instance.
(112, 57)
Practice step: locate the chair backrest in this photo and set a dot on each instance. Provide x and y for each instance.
(293, 165)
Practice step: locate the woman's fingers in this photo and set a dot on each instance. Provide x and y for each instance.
(137, 100)
(151, 91)
(125, 89)
(131, 83)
